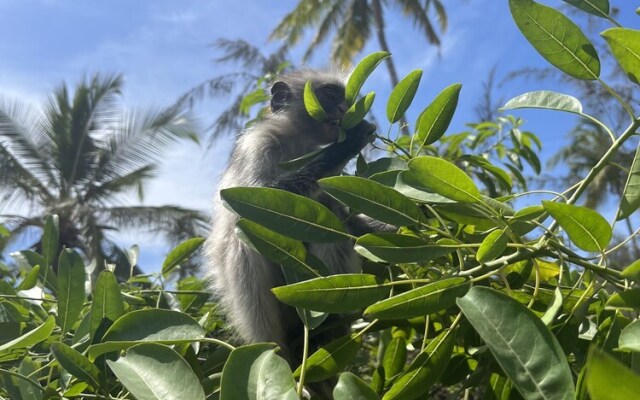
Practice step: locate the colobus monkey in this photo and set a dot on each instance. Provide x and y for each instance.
(242, 278)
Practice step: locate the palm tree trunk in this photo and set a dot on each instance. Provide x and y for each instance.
(382, 40)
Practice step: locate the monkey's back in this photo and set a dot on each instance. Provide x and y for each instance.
(240, 278)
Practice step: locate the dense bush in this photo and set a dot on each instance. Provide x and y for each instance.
(475, 295)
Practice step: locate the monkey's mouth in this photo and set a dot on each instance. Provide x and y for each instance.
(334, 123)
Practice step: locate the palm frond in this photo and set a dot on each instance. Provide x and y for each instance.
(18, 226)
(329, 22)
(441, 13)
(216, 87)
(93, 113)
(20, 127)
(306, 14)
(353, 33)
(114, 186)
(18, 182)
(142, 138)
(419, 15)
(238, 50)
(176, 223)
(276, 62)
(230, 120)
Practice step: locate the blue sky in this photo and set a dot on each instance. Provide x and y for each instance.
(163, 48)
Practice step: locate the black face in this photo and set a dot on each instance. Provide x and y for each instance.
(331, 98)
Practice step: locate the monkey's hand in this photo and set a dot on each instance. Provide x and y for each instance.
(358, 137)
(332, 160)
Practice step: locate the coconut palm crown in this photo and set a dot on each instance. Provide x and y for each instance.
(80, 156)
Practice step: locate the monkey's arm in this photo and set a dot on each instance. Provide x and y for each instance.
(331, 162)
(360, 224)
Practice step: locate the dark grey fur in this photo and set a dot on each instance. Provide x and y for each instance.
(242, 278)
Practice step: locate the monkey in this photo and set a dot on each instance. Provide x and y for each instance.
(241, 278)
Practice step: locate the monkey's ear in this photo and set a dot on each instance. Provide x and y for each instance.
(280, 94)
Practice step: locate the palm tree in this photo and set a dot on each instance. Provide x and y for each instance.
(78, 158)
(258, 68)
(352, 22)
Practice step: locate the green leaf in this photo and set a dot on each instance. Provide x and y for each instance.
(32, 259)
(630, 337)
(107, 301)
(373, 199)
(357, 111)
(554, 308)
(384, 164)
(444, 178)
(608, 379)
(397, 248)
(21, 390)
(330, 359)
(180, 253)
(50, 240)
(350, 387)
(586, 228)
(425, 370)
(518, 273)
(631, 194)
(599, 8)
(250, 99)
(523, 346)
(311, 319)
(395, 357)
(492, 246)
(151, 325)
(32, 337)
(556, 38)
(256, 372)
(289, 214)
(28, 391)
(360, 74)
(632, 272)
(30, 280)
(76, 364)
(312, 104)
(423, 300)
(297, 163)
(402, 95)
(334, 294)
(528, 213)
(152, 371)
(628, 299)
(408, 185)
(71, 296)
(282, 250)
(503, 178)
(545, 99)
(435, 119)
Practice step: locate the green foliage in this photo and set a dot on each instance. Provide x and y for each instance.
(360, 74)
(256, 372)
(470, 292)
(312, 104)
(557, 39)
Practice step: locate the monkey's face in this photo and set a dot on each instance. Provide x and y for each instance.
(331, 95)
(332, 99)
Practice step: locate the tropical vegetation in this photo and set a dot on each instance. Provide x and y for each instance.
(487, 290)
